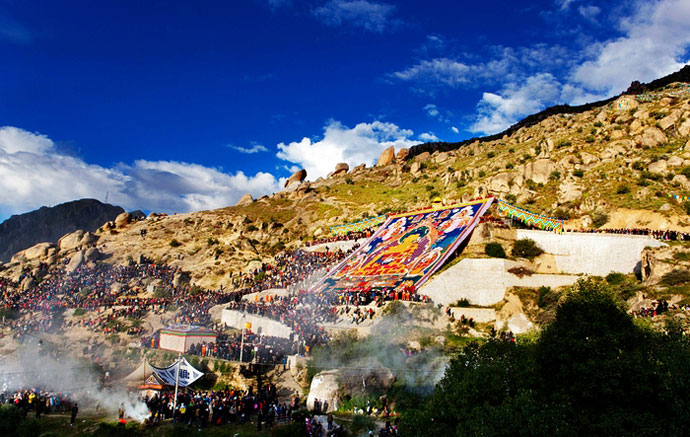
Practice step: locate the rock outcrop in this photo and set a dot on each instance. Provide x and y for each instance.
(387, 157)
(39, 251)
(402, 154)
(296, 178)
(122, 220)
(340, 168)
(247, 199)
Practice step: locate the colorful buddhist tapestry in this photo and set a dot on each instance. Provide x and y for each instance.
(406, 250)
(528, 218)
(357, 226)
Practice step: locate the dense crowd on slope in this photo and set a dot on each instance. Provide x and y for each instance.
(664, 235)
(344, 237)
(289, 268)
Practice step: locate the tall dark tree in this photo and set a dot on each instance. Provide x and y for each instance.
(592, 371)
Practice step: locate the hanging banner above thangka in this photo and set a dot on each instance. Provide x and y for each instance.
(357, 226)
(678, 197)
(406, 250)
(528, 218)
(188, 374)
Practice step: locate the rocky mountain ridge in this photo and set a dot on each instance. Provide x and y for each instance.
(48, 224)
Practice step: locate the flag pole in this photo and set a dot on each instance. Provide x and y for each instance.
(177, 380)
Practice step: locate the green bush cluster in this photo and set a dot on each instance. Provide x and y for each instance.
(494, 250)
(526, 248)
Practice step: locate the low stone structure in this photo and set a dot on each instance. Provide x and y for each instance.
(260, 325)
(591, 254)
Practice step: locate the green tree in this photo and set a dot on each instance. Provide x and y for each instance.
(592, 371)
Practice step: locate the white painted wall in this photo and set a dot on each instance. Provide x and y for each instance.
(261, 325)
(484, 282)
(592, 254)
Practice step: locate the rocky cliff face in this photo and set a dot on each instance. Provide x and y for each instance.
(49, 224)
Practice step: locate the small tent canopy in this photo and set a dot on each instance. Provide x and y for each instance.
(166, 375)
(140, 373)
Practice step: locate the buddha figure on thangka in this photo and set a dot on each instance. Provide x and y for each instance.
(406, 249)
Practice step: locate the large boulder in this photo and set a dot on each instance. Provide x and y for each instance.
(538, 171)
(658, 167)
(91, 254)
(122, 220)
(684, 128)
(402, 154)
(247, 199)
(668, 121)
(70, 241)
(340, 168)
(324, 387)
(39, 251)
(682, 181)
(422, 157)
(75, 262)
(502, 182)
(297, 177)
(652, 137)
(359, 168)
(387, 157)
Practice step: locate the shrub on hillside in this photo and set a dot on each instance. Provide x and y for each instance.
(599, 219)
(676, 277)
(494, 250)
(615, 278)
(526, 248)
(623, 189)
(462, 303)
(686, 205)
(174, 243)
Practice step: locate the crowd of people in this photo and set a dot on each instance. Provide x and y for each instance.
(658, 308)
(354, 235)
(664, 235)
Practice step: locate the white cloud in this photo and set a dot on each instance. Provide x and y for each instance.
(589, 12)
(360, 144)
(564, 4)
(33, 173)
(428, 137)
(431, 110)
(256, 148)
(373, 16)
(455, 129)
(504, 64)
(499, 111)
(434, 72)
(654, 43)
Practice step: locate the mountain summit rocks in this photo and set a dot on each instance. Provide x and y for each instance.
(387, 157)
(296, 178)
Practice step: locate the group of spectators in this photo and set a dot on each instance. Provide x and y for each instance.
(201, 409)
(354, 235)
(658, 308)
(38, 401)
(664, 235)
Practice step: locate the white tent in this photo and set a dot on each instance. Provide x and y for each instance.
(166, 375)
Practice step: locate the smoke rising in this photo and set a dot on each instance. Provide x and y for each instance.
(31, 367)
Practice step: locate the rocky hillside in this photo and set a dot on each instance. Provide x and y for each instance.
(48, 224)
(611, 164)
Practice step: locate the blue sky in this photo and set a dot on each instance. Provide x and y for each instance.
(174, 106)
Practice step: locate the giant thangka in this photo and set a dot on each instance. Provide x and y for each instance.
(406, 250)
